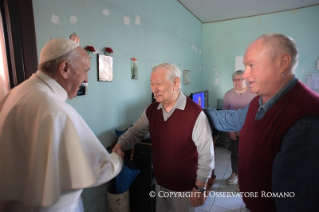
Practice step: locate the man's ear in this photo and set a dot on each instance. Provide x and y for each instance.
(285, 60)
(177, 82)
(64, 69)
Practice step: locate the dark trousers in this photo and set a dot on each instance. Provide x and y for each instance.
(234, 154)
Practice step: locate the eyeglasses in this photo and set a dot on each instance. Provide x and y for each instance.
(238, 80)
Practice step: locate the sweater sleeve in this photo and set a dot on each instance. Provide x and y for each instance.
(294, 169)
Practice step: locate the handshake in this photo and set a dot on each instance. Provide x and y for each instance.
(118, 150)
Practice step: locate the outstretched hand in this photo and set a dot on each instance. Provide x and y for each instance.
(119, 150)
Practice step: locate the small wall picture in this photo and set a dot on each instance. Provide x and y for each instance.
(187, 77)
(75, 38)
(134, 69)
(105, 68)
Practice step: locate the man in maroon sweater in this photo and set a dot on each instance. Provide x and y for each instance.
(183, 150)
(279, 146)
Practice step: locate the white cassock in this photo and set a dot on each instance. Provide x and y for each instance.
(48, 154)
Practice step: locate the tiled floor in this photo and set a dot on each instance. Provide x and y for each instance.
(215, 202)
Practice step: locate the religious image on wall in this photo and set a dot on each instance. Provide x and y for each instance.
(105, 68)
(134, 69)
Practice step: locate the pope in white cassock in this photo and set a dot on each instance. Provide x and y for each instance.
(48, 154)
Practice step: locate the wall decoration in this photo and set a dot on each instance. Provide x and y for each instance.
(137, 20)
(55, 19)
(108, 51)
(75, 38)
(105, 68)
(127, 20)
(73, 19)
(312, 81)
(134, 69)
(106, 12)
(187, 77)
(89, 50)
(239, 65)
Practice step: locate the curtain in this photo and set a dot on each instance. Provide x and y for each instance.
(4, 76)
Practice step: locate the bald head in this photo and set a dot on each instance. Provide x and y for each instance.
(281, 44)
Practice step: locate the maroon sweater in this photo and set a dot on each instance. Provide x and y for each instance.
(261, 140)
(175, 155)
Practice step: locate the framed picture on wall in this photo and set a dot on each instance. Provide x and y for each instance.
(187, 77)
(105, 68)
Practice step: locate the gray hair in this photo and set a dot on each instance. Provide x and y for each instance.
(236, 73)
(52, 65)
(278, 44)
(172, 71)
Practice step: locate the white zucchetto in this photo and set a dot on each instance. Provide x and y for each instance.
(56, 48)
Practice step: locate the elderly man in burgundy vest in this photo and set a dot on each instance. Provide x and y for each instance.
(279, 144)
(183, 152)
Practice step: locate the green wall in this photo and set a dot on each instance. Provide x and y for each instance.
(223, 41)
(165, 32)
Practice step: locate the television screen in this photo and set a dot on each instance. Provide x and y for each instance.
(201, 98)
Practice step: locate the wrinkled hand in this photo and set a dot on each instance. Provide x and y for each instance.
(232, 135)
(196, 198)
(118, 149)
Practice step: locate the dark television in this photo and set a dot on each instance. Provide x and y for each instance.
(201, 98)
(82, 89)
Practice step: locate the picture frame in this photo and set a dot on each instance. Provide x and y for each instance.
(187, 77)
(105, 68)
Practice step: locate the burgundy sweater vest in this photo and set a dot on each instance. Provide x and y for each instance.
(175, 156)
(260, 141)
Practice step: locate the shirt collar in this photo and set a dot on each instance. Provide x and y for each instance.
(278, 95)
(180, 104)
(54, 86)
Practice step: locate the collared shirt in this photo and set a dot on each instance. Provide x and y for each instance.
(264, 107)
(201, 136)
(230, 120)
(293, 167)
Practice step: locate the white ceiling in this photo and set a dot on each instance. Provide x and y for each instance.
(219, 10)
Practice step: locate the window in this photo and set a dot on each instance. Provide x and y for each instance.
(19, 39)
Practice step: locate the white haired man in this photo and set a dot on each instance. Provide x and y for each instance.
(48, 153)
(183, 151)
